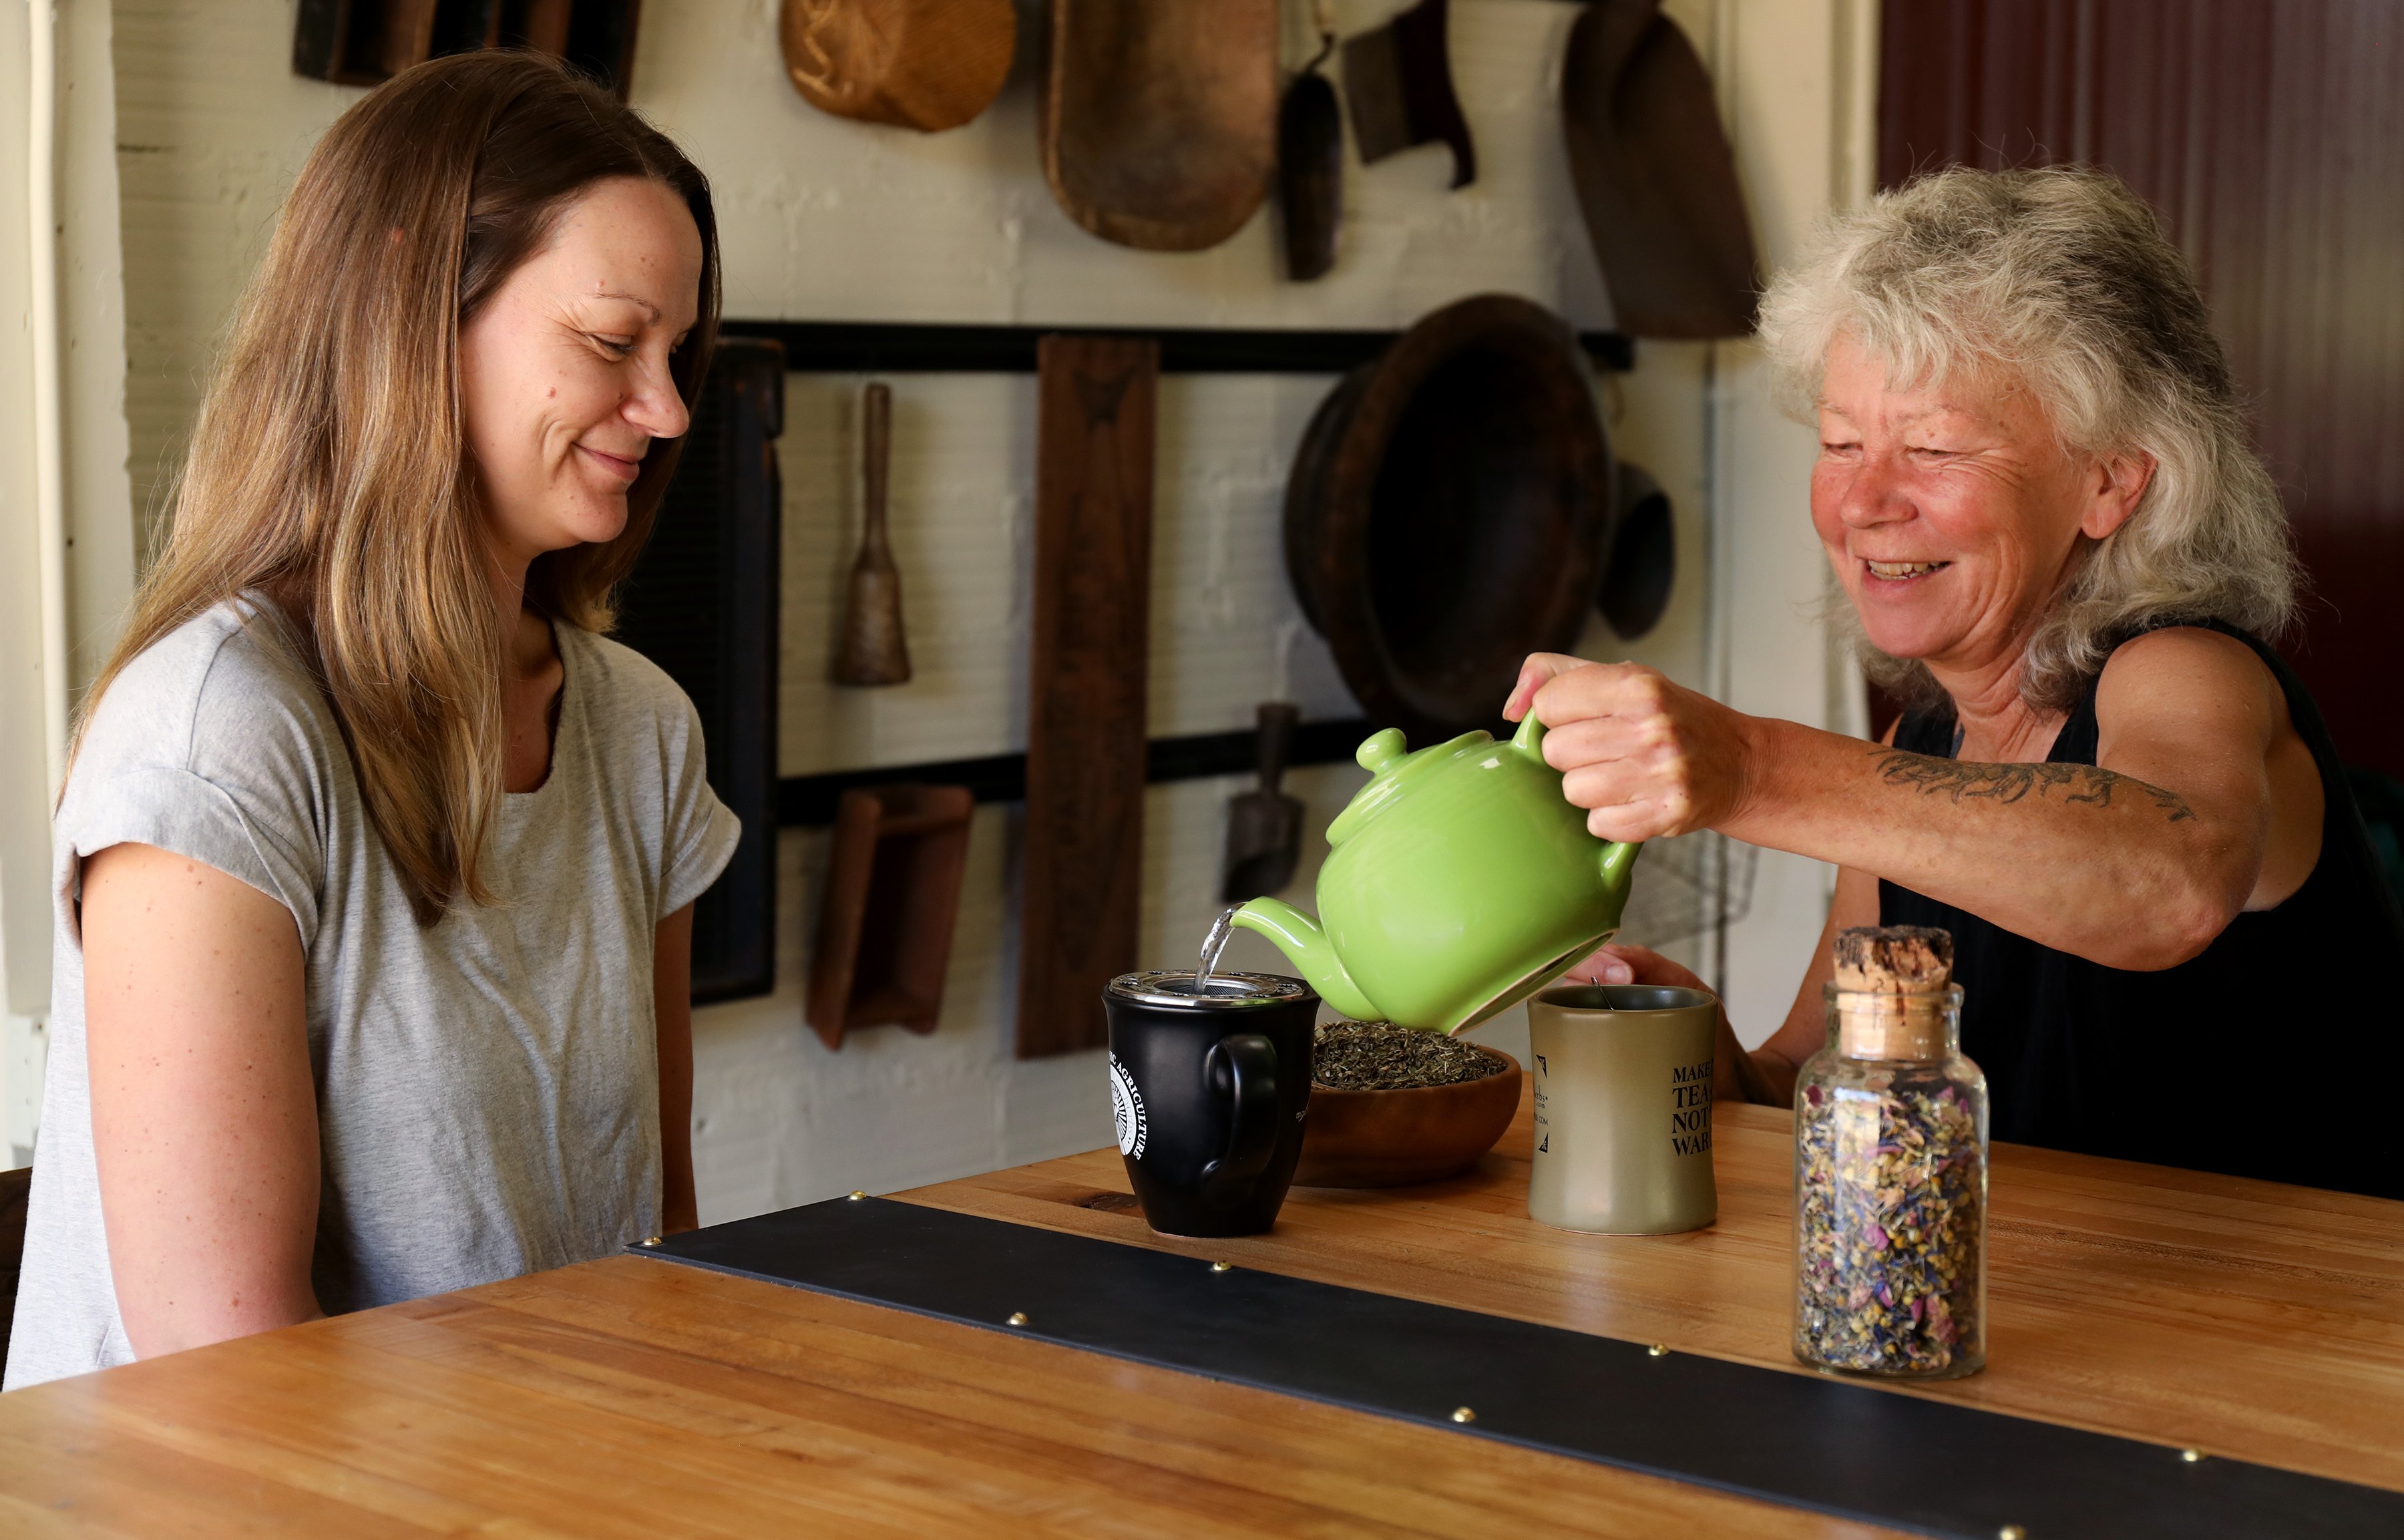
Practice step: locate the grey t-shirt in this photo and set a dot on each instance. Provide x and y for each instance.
(488, 1090)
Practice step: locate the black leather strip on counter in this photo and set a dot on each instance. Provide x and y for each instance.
(905, 347)
(809, 801)
(1832, 1446)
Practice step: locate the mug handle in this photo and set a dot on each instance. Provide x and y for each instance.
(1244, 1065)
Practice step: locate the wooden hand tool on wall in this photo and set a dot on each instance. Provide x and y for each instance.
(1398, 82)
(1086, 676)
(1159, 121)
(1655, 177)
(1310, 167)
(893, 897)
(873, 648)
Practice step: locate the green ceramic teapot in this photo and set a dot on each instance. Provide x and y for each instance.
(1458, 882)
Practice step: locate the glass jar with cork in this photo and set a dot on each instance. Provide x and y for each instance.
(1890, 1169)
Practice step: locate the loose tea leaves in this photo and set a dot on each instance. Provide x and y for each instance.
(1377, 1056)
(1892, 1201)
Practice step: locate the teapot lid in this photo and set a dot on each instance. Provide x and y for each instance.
(1394, 770)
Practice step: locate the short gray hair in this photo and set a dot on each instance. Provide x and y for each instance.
(2064, 279)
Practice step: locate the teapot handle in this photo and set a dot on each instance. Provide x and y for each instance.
(1616, 858)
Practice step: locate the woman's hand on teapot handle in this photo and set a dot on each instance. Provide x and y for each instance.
(1646, 757)
(1735, 1076)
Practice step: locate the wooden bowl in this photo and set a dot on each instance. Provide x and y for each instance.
(1393, 1139)
(924, 65)
(1446, 512)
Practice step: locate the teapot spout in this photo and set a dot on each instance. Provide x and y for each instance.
(1306, 946)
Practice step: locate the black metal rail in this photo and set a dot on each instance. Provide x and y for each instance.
(899, 347)
(809, 801)
(1912, 1462)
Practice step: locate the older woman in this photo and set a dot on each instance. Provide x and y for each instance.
(2034, 488)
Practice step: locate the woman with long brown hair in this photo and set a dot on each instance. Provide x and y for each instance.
(375, 862)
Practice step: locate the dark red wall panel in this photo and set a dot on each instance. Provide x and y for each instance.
(2271, 135)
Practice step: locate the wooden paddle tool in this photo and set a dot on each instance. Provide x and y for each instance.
(1264, 825)
(1086, 676)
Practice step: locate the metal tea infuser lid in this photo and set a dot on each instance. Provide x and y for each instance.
(1225, 991)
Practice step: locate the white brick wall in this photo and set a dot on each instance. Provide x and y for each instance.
(823, 219)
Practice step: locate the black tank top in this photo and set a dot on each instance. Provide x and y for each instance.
(2252, 1059)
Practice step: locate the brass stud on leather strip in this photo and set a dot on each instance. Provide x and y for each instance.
(653, 1239)
(1018, 1318)
(2192, 1457)
(1462, 1414)
(1221, 1267)
(857, 1194)
(1657, 1351)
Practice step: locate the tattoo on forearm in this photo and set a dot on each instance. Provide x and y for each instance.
(2080, 783)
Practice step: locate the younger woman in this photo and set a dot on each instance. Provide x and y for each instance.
(376, 861)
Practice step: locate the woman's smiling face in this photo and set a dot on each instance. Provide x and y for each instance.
(564, 373)
(1952, 511)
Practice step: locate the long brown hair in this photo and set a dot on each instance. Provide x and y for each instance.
(328, 465)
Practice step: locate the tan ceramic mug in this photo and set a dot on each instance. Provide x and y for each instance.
(1623, 1081)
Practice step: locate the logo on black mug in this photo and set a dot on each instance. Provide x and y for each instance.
(1126, 1111)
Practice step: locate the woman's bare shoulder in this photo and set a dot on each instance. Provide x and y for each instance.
(2185, 669)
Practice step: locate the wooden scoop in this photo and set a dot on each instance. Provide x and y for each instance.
(1656, 179)
(1159, 119)
(873, 649)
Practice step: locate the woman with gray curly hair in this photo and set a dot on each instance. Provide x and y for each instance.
(2036, 490)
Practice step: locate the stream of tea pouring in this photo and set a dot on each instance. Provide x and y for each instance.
(1214, 945)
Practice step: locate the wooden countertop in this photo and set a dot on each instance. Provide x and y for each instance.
(632, 1397)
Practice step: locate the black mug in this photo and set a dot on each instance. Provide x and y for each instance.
(1209, 1091)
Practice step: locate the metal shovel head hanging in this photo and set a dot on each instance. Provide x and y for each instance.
(1655, 180)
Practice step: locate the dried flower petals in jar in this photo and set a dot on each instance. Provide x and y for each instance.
(1890, 1169)
(1890, 1187)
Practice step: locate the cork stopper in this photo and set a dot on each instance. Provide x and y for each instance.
(1894, 983)
(1894, 960)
